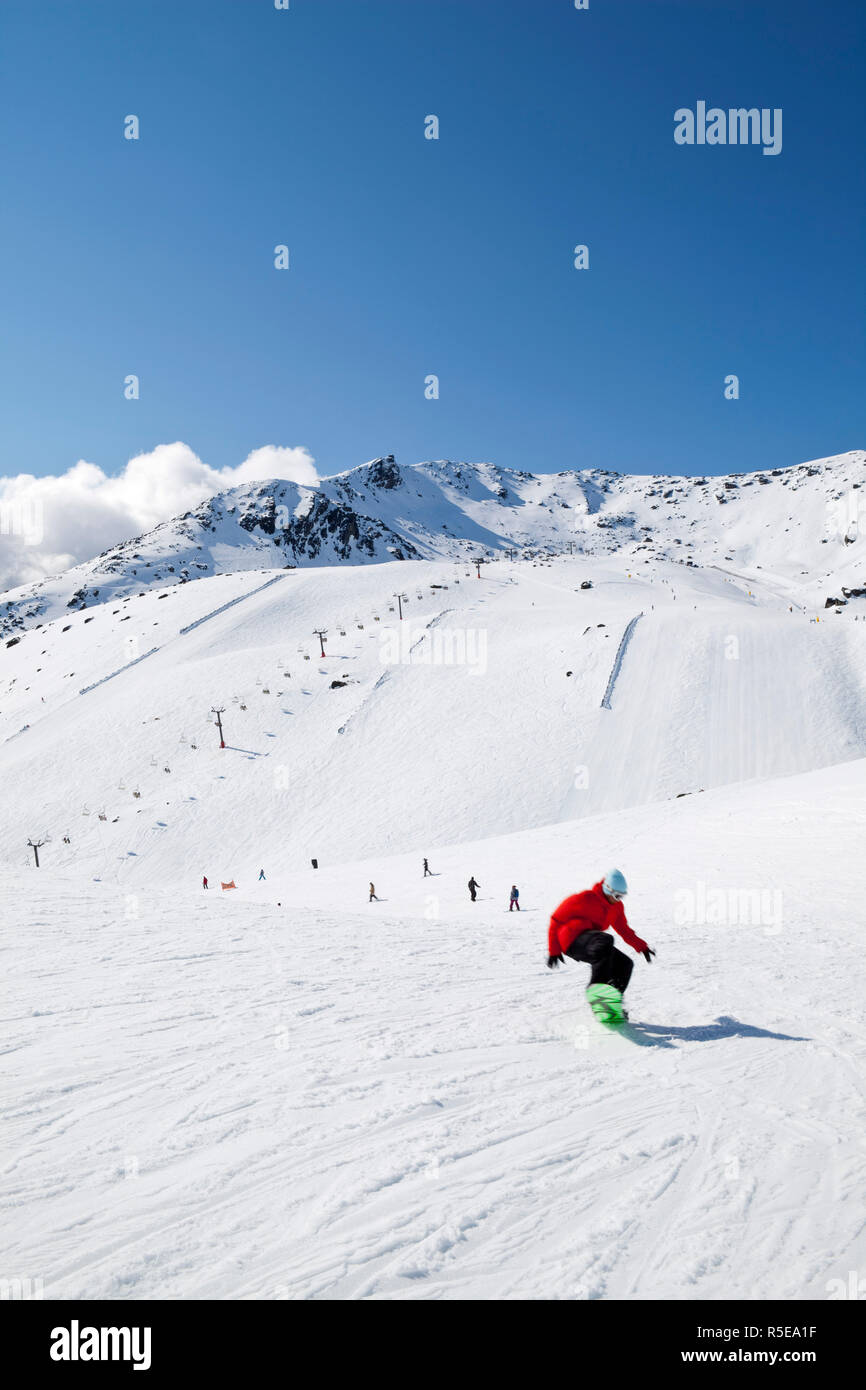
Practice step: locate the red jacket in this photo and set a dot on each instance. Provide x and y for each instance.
(589, 911)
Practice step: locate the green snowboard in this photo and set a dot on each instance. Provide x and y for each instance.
(606, 1003)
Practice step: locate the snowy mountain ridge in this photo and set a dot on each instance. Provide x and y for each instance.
(805, 521)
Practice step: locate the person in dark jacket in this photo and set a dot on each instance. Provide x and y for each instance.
(513, 901)
(427, 869)
(472, 886)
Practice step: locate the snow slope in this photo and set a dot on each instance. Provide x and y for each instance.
(501, 729)
(213, 1096)
(286, 1091)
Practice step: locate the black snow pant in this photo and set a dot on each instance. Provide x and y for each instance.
(609, 966)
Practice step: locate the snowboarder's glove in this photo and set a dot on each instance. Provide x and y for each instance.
(648, 955)
(554, 961)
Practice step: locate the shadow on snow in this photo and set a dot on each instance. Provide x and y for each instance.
(724, 1027)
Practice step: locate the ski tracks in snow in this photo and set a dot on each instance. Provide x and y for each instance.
(223, 1100)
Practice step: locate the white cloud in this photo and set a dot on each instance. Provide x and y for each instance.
(50, 523)
(275, 462)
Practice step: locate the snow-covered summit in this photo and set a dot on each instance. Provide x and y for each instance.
(807, 522)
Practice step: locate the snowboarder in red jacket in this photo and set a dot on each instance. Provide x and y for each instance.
(578, 928)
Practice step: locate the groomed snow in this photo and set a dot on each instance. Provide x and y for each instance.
(209, 1095)
(286, 1091)
(461, 721)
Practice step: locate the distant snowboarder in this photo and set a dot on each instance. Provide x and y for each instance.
(204, 883)
(578, 928)
(472, 886)
(261, 874)
(427, 869)
(372, 896)
(513, 901)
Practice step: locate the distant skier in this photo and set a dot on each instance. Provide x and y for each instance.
(513, 900)
(204, 883)
(472, 886)
(372, 893)
(261, 874)
(427, 870)
(578, 928)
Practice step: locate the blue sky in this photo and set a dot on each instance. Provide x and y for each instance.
(410, 256)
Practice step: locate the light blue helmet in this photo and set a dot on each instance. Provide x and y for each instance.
(614, 883)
